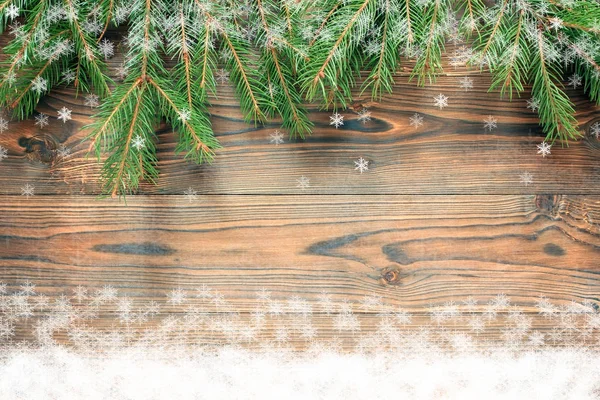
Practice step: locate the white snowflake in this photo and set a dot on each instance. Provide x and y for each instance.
(185, 115)
(416, 120)
(68, 76)
(370, 303)
(10, 77)
(595, 130)
(303, 182)
(276, 137)
(12, 11)
(575, 81)
(362, 165)
(3, 125)
(466, 83)
(3, 153)
(41, 120)
(138, 142)
(526, 178)
(441, 101)
(490, 123)
(222, 75)
(64, 114)
(91, 100)
(39, 85)
(556, 23)
(176, 296)
(63, 151)
(337, 120)
(27, 288)
(544, 149)
(27, 190)
(533, 104)
(190, 194)
(107, 48)
(364, 115)
(107, 293)
(80, 293)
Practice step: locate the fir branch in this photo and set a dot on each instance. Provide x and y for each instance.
(556, 110)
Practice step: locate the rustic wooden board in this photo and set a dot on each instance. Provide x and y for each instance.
(411, 250)
(450, 153)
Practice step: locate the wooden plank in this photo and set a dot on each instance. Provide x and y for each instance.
(410, 250)
(450, 153)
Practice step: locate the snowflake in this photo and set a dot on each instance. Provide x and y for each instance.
(364, 115)
(595, 130)
(190, 194)
(184, 115)
(441, 101)
(27, 190)
(39, 85)
(63, 151)
(27, 288)
(500, 301)
(80, 293)
(41, 120)
(477, 324)
(107, 48)
(403, 317)
(575, 81)
(107, 293)
(276, 137)
(362, 165)
(466, 83)
(64, 114)
(138, 142)
(3, 125)
(303, 182)
(526, 178)
(371, 302)
(536, 338)
(176, 296)
(544, 149)
(12, 11)
(337, 120)
(533, 104)
(416, 120)
(281, 335)
(263, 295)
(68, 76)
(3, 153)
(91, 100)
(10, 77)
(222, 75)
(490, 123)
(556, 23)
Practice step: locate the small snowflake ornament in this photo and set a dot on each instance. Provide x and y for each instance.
(362, 165)
(63, 151)
(544, 149)
(107, 48)
(575, 81)
(526, 178)
(190, 194)
(41, 120)
(466, 83)
(336, 120)
(490, 123)
(303, 182)
(364, 115)
(39, 85)
(276, 137)
(27, 190)
(64, 114)
(556, 23)
(92, 100)
(12, 11)
(222, 76)
(441, 101)
(3, 125)
(184, 115)
(416, 120)
(595, 130)
(3, 153)
(533, 104)
(138, 142)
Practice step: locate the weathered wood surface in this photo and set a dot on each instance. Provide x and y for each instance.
(439, 216)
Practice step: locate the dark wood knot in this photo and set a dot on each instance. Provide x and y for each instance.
(391, 275)
(40, 148)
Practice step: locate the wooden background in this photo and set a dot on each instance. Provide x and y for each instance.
(440, 215)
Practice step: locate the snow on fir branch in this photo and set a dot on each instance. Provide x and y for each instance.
(279, 55)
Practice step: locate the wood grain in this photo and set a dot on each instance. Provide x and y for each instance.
(411, 250)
